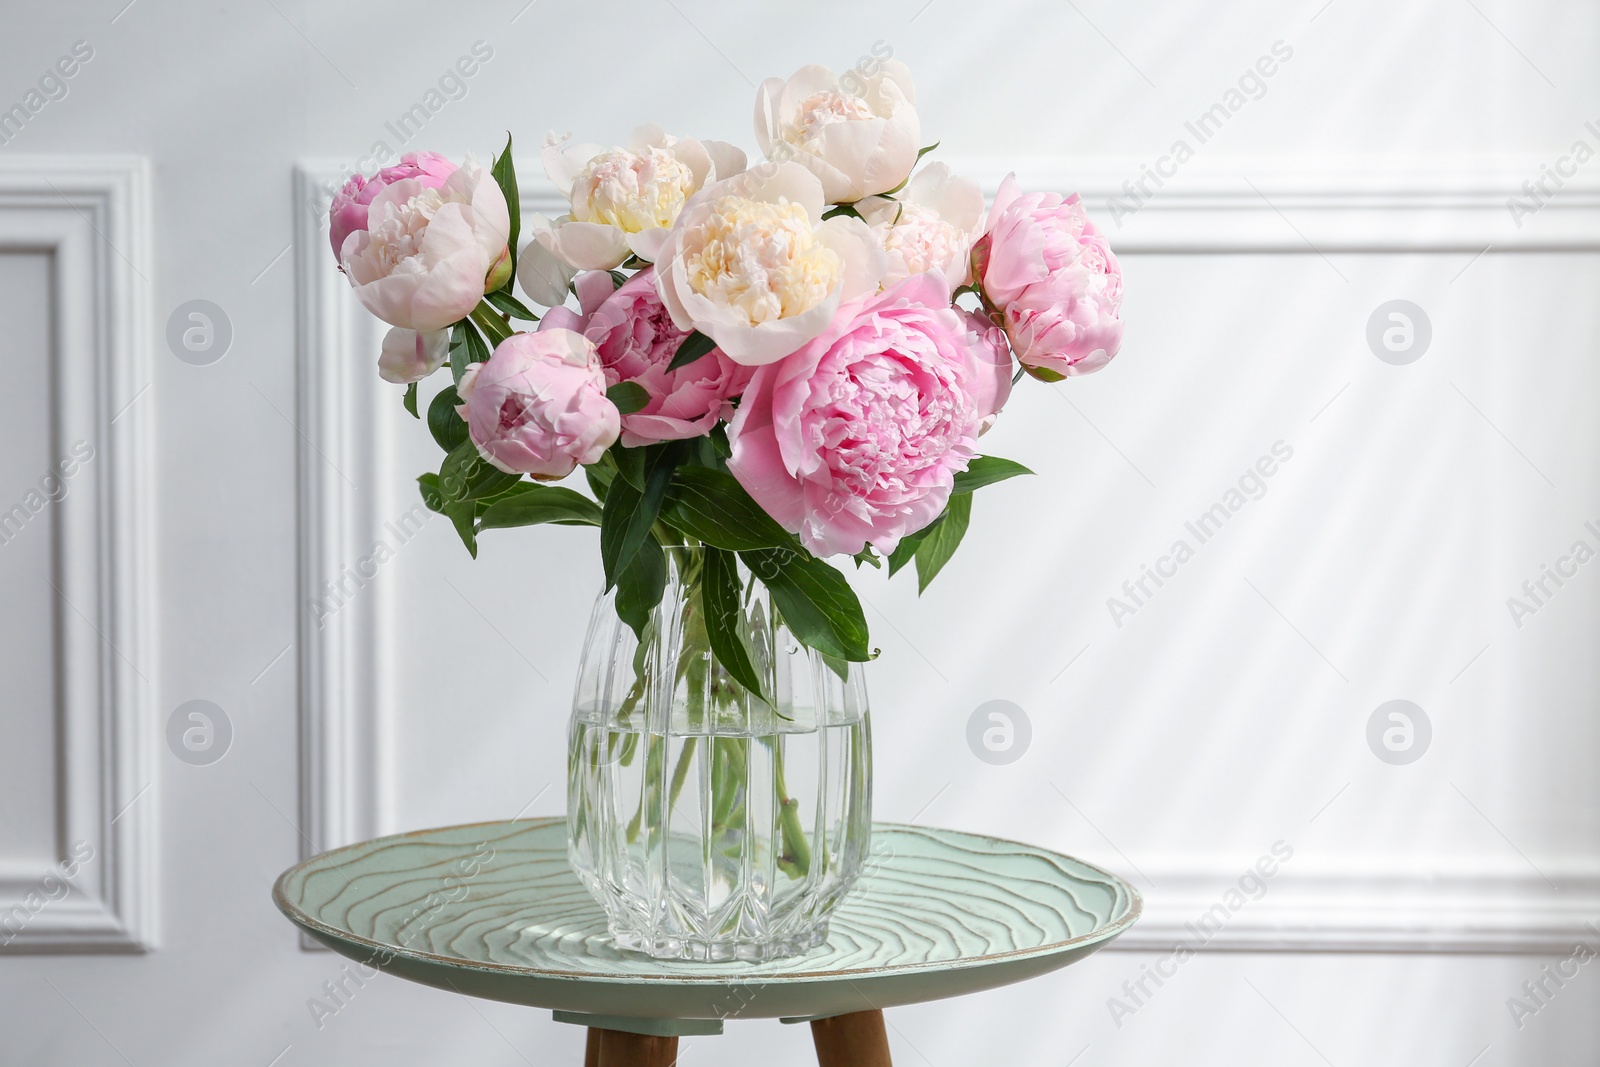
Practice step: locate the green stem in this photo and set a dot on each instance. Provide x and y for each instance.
(796, 858)
(487, 319)
(709, 690)
(681, 772)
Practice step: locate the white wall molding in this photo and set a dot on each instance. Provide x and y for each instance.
(338, 689)
(1485, 910)
(92, 214)
(1214, 206)
(1220, 204)
(342, 699)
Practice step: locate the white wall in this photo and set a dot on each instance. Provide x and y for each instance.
(1228, 713)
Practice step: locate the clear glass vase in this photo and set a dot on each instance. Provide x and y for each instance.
(708, 823)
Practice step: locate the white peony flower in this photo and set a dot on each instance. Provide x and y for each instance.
(623, 198)
(752, 265)
(931, 225)
(856, 142)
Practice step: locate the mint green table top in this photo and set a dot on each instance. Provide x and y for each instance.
(492, 910)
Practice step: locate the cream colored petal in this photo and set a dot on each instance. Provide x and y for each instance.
(647, 135)
(491, 215)
(726, 159)
(589, 245)
(807, 81)
(837, 186)
(449, 231)
(896, 73)
(874, 155)
(693, 154)
(957, 199)
(864, 261)
(671, 286)
(769, 120)
(647, 244)
(782, 181)
(396, 193)
(755, 346)
(563, 159)
(879, 209)
(543, 275)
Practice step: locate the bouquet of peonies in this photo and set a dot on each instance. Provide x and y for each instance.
(770, 364)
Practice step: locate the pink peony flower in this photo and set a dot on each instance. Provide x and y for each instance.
(349, 210)
(992, 366)
(1053, 276)
(427, 255)
(636, 340)
(593, 288)
(857, 436)
(539, 406)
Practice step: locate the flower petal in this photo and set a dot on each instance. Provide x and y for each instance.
(726, 159)
(589, 245)
(647, 244)
(563, 159)
(543, 275)
(864, 260)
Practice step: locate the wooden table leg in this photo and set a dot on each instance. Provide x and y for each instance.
(613, 1048)
(854, 1040)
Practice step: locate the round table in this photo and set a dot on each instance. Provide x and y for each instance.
(492, 910)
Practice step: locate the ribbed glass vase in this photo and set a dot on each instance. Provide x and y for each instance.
(707, 822)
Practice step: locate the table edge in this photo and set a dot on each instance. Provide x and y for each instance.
(323, 931)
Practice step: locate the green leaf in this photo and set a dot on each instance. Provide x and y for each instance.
(466, 348)
(465, 476)
(640, 585)
(711, 506)
(719, 441)
(629, 511)
(410, 400)
(703, 453)
(530, 505)
(507, 304)
(460, 516)
(444, 424)
(599, 477)
(867, 556)
(943, 540)
(816, 602)
(428, 485)
(630, 463)
(986, 470)
(844, 209)
(628, 397)
(925, 150)
(693, 347)
(720, 593)
(505, 176)
(496, 329)
(906, 550)
(618, 279)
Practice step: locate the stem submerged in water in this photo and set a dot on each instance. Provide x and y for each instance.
(717, 708)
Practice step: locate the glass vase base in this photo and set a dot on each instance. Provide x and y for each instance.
(681, 948)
